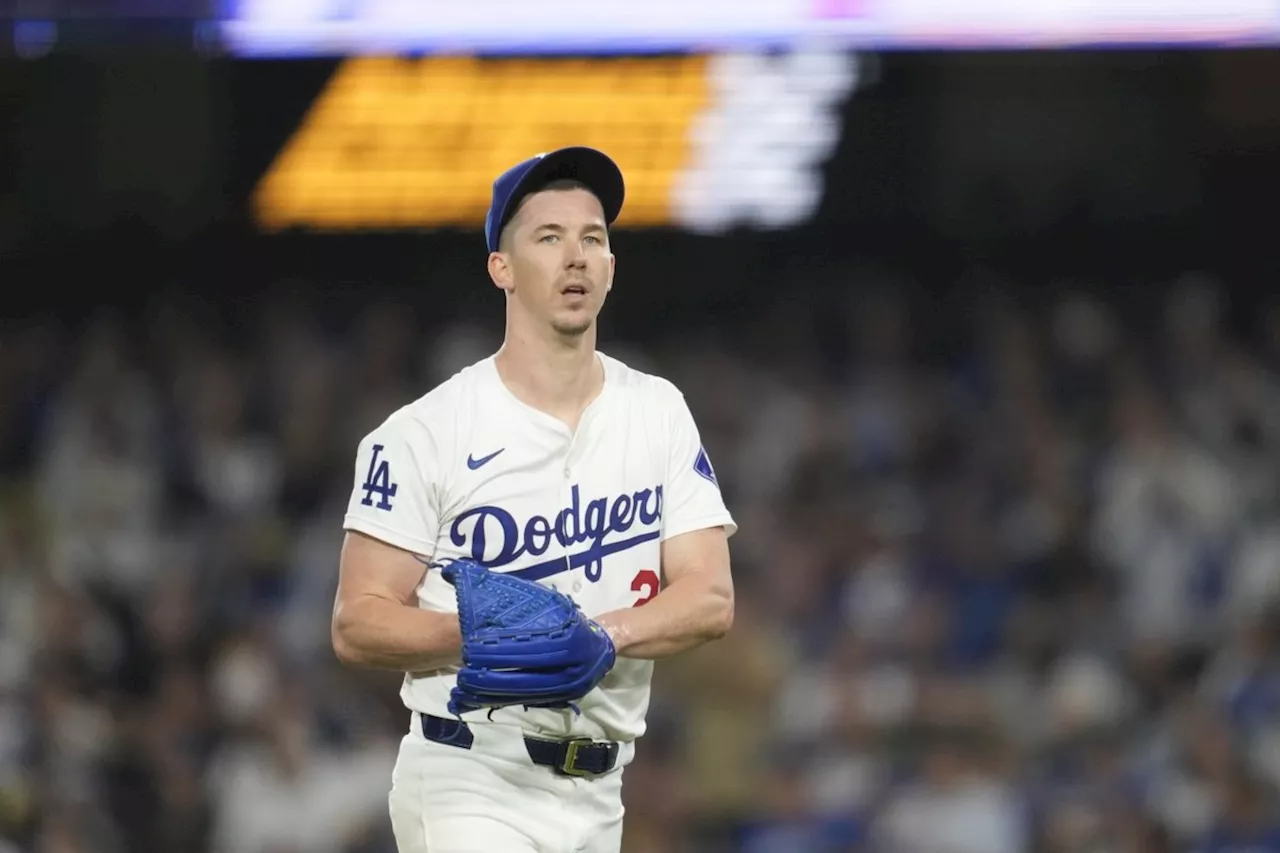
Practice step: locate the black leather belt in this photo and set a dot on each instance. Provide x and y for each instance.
(577, 757)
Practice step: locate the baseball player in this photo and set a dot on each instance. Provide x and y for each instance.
(552, 462)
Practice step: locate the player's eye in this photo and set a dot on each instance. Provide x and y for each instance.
(548, 238)
(591, 238)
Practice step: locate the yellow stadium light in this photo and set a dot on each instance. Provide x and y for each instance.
(415, 143)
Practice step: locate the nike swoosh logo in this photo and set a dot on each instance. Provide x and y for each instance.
(473, 464)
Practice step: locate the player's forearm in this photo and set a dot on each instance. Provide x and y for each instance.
(383, 634)
(690, 612)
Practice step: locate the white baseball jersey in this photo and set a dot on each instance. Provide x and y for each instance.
(468, 470)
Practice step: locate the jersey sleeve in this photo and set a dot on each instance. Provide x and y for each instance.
(691, 499)
(393, 499)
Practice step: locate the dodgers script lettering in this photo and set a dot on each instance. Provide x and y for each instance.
(495, 538)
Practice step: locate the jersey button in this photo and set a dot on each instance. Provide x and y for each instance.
(566, 473)
(577, 586)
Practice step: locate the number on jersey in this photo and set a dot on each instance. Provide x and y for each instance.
(645, 582)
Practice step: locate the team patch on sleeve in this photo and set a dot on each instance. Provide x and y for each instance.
(702, 464)
(378, 481)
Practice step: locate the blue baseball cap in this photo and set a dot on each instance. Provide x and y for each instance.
(593, 168)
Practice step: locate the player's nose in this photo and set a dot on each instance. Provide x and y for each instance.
(574, 256)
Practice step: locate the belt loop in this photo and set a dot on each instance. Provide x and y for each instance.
(448, 732)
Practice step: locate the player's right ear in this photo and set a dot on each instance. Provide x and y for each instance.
(500, 271)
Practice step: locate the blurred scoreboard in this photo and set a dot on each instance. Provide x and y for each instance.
(722, 113)
(705, 141)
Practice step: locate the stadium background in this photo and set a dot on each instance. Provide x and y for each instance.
(1000, 418)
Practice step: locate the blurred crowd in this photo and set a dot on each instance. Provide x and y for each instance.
(1008, 578)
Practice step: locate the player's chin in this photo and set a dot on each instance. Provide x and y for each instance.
(572, 326)
(574, 321)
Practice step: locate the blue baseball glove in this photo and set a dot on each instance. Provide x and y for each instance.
(522, 643)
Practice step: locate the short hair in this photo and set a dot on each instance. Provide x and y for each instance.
(554, 184)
